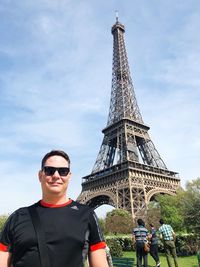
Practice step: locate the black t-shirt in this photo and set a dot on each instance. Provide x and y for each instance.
(70, 231)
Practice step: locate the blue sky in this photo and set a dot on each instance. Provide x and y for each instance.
(55, 84)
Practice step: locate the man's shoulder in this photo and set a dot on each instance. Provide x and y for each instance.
(17, 216)
(165, 226)
(153, 231)
(138, 229)
(20, 211)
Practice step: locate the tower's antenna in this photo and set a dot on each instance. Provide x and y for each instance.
(116, 15)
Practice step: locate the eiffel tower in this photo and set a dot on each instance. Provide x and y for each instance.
(128, 171)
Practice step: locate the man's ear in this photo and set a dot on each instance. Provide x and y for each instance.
(40, 175)
(69, 176)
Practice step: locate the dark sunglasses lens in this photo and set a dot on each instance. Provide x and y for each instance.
(49, 171)
(63, 171)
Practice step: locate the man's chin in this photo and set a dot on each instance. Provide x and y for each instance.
(54, 190)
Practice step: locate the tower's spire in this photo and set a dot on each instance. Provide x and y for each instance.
(116, 15)
(123, 103)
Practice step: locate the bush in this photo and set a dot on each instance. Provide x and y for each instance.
(115, 247)
(127, 244)
(186, 244)
(3, 219)
(124, 241)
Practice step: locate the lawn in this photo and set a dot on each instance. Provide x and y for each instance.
(188, 261)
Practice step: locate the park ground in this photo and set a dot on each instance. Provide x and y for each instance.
(186, 261)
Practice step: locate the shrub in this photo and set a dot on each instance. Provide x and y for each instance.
(124, 241)
(3, 219)
(115, 247)
(186, 244)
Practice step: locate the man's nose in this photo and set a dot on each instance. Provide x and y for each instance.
(56, 174)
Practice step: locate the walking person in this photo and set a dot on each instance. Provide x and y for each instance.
(139, 236)
(69, 231)
(154, 245)
(167, 235)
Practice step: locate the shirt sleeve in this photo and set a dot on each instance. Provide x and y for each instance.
(96, 239)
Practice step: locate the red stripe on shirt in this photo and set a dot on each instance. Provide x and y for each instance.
(3, 247)
(49, 205)
(97, 246)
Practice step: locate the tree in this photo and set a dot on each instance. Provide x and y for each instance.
(191, 206)
(153, 214)
(171, 208)
(102, 224)
(118, 222)
(3, 219)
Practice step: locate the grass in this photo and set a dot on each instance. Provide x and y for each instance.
(187, 261)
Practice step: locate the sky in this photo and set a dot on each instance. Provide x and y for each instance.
(55, 85)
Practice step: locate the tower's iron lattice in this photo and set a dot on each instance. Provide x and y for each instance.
(128, 171)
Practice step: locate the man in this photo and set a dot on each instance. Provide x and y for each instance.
(71, 229)
(154, 245)
(167, 235)
(139, 237)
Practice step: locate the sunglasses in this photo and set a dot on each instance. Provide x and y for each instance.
(49, 171)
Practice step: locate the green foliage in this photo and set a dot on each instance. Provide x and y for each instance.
(124, 241)
(3, 219)
(102, 224)
(191, 207)
(171, 210)
(186, 261)
(115, 247)
(153, 214)
(118, 222)
(185, 243)
(181, 210)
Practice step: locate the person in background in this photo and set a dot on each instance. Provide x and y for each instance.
(154, 245)
(70, 229)
(167, 235)
(139, 236)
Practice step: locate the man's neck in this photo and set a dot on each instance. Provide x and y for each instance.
(55, 199)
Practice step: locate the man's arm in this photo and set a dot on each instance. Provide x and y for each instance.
(174, 235)
(5, 258)
(98, 258)
(160, 234)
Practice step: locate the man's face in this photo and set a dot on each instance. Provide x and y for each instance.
(52, 182)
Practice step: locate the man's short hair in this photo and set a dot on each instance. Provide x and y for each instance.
(140, 222)
(55, 153)
(161, 221)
